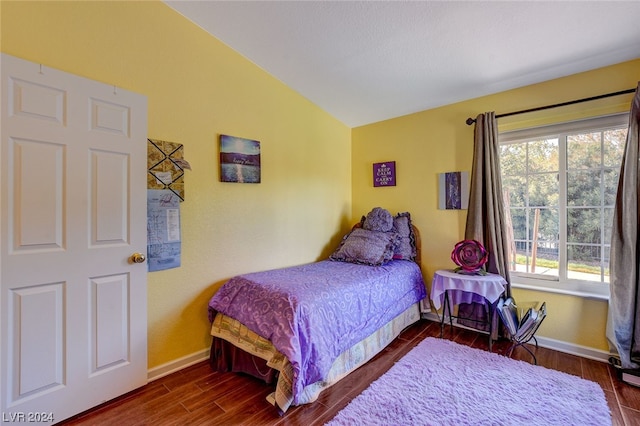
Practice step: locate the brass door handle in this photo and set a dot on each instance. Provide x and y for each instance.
(138, 258)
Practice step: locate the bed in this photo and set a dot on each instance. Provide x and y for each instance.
(306, 327)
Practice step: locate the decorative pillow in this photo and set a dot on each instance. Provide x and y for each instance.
(366, 247)
(378, 219)
(406, 249)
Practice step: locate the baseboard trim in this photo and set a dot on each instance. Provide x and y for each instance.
(557, 345)
(177, 365)
(545, 342)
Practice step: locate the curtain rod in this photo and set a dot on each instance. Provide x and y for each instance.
(470, 120)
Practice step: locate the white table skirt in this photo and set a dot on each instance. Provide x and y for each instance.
(466, 288)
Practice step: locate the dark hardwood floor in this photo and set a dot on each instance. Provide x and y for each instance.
(199, 396)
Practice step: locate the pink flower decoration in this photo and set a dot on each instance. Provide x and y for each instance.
(469, 255)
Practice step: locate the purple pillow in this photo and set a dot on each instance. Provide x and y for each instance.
(406, 249)
(366, 247)
(378, 219)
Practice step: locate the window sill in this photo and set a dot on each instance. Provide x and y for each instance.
(578, 292)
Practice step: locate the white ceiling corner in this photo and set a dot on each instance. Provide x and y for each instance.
(367, 61)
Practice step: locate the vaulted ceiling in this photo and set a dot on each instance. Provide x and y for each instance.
(367, 61)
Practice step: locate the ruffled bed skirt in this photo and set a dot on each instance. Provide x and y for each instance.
(238, 349)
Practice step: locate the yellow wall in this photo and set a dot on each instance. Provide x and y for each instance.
(435, 141)
(316, 173)
(198, 88)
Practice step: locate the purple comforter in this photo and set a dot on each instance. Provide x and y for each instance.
(314, 312)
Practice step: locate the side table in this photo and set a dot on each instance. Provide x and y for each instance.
(449, 287)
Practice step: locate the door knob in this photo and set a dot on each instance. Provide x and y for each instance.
(138, 258)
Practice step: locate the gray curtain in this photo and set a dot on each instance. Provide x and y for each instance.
(486, 220)
(623, 325)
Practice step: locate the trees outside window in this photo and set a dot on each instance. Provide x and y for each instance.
(560, 185)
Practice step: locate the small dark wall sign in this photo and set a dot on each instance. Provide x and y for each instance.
(453, 188)
(384, 174)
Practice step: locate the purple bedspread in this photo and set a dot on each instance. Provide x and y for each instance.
(314, 312)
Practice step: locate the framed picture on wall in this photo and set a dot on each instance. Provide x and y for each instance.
(239, 160)
(453, 188)
(384, 174)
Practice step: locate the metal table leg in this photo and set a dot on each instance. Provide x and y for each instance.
(446, 308)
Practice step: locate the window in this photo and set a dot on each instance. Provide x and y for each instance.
(560, 185)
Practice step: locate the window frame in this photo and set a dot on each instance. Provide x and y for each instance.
(562, 284)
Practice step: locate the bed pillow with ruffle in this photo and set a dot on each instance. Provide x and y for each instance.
(366, 247)
(406, 249)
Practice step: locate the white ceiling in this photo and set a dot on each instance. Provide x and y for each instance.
(367, 61)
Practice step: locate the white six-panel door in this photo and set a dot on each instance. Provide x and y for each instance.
(73, 306)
